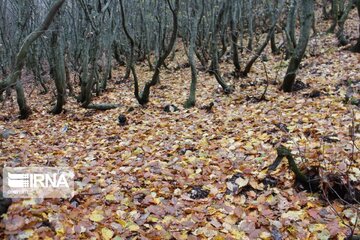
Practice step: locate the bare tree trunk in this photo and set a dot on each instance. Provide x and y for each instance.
(68, 81)
(262, 47)
(58, 62)
(324, 11)
(335, 13)
(272, 9)
(250, 24)
(143, 98)
(14, 77)
(234, 39)
(196, 14)
(290, 29)
(340, 33)
(307, 11)
(356, 47)
(215, 68)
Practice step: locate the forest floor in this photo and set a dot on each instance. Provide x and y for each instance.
(193, 174)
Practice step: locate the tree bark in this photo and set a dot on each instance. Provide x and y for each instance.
(214, 67)
(356, 47)
(290, 29)
(234, 39)
(58, 61)
(340, 33)
(250, 24)
(335, 13)
(196, 14)
(307, 11)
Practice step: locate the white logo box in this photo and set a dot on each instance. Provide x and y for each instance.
(38, 182)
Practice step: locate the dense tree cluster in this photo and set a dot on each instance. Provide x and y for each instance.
(84, 37)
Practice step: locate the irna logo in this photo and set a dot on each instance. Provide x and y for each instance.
(25, 180)
(35, 182)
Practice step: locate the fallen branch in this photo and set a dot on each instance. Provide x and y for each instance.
(103, 107)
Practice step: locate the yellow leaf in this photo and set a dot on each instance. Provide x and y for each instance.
(192, 159)
(175, 147)
(60, 230)
(29, 202)
(121, 222)
(324, 234)
(157, 200)
(204, 143)
(97, 216)
(158, 227)
(106, 233)
(231, 219)
(254, 184)
(152, 219)
(310, 205)
(265, 235)
(138, 151)
(219, 238)
(125, 155)
(261, 175)
(241, 182)
(110, 197)
(316, 227)
(167, 219)
(271, 199)
(293, 215)
(305, 120)
(182, 236)
(133, 227)
(264, 137)
(237, 234)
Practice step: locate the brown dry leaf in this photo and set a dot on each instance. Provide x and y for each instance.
(14, 223)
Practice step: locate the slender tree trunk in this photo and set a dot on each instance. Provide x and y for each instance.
(38, 78)
(335, 14)
(356, 47)
(131, 57)
(290, 29)
(262, 47)
(307, 11)
(250, 24)
(93, 76)
(234, 39)
(196, 14)
(59, 70)
(340, 33)
(156, 76)
(215, 68)
(324, 11)
(108, 55)
(273, 46)
(241, 25)
(143, 98)
(84, 71)
(68, 80)
(25, 111)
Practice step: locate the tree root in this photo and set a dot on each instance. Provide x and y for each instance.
(309, 183)
(331, 186)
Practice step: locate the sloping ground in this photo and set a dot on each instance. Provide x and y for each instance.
(192, 174)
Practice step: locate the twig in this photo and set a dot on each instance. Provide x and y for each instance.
(263, 98)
